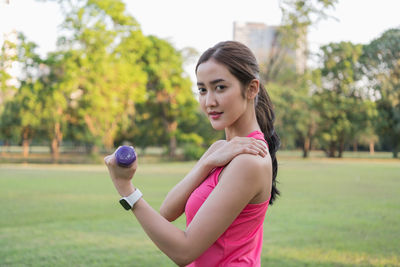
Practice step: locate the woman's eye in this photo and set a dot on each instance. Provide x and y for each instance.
(220, 87)
(202, 90)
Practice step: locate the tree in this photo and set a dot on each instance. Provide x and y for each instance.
(53, 101)
(381, 64)
(364, 125)
(21, 114)
(287, 75)
(37, 106)
(120, 84)
(169, 98)
(341, 102)
(289, 40)
(105, 84)
(296, 118)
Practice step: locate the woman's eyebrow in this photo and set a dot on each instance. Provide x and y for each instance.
(211, 82)
(217, 81)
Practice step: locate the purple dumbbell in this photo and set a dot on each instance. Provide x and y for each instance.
(125, 156)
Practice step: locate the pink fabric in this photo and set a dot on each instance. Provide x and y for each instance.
(241, 244)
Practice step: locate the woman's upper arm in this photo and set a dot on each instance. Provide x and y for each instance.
(241, 180)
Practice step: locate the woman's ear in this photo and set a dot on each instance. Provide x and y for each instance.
(253, 89)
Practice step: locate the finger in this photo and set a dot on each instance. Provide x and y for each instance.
(107, 159)
(260, 151)
(256, 142)
(248, 150)
(110, 160)
(260, 147)
(252, 143)
(249, 145)
(263, 145)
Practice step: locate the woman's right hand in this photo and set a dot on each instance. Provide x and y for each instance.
(121, 176)
(227, 150)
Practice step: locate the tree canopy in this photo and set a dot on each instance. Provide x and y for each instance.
(107, 83)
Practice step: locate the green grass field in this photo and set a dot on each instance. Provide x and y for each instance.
(330, 213)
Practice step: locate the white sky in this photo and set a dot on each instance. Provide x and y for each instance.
(201, 24)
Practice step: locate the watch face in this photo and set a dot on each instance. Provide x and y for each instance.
(125, 204)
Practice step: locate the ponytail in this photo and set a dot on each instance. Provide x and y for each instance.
(265, 118)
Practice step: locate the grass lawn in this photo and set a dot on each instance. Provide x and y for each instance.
(331, 213)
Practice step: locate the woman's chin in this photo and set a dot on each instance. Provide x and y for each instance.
(218, 126)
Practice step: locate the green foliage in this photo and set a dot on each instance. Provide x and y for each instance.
(169, 98)
(381, 64)
(107, 83)
(192, 144)
(343, 109)
(295, 116)
(304, 13)
(288, 80)
(198, 121)
(192, 151)
(289, 40)
(20, 118)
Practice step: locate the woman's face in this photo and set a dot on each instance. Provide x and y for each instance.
(220, 94)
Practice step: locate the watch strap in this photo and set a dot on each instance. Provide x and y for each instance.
(129, 201)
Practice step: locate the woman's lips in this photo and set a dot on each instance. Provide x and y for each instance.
(215, 115)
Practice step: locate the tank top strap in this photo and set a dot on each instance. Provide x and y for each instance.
(258, 135)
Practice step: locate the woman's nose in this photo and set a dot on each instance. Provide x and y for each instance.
(211, 100)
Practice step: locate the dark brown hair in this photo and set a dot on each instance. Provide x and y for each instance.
(242, 64)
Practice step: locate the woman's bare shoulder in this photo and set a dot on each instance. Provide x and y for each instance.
(255, 166)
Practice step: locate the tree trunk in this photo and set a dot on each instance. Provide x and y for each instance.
(55, 142)
(55, 150)
(108, 139)
(355, 146)
(371, 148)
(25, 147)
(172, 147)
(306, 147)
(25, 142)
(172, 126)
(5, 147)
(94, 150)
(341, 149)
(332, 149)
(396, 147)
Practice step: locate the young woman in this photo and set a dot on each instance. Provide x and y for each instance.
(226, 195)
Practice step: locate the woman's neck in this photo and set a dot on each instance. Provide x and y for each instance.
(243, 126)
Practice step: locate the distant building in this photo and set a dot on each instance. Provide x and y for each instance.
(263, 41)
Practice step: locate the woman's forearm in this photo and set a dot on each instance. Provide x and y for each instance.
(168, 238)
(175, 201)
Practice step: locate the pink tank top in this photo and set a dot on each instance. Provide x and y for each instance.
(241, 244)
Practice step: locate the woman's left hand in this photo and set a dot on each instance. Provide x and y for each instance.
(121, 176)
(227, 150)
